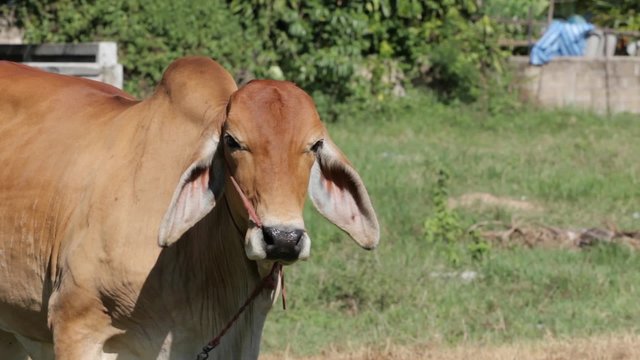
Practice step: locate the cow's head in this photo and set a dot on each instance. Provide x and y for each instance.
(275, 147)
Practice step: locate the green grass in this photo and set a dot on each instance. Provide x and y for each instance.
(582, 169)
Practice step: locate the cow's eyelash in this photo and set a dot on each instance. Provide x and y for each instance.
(232, 143)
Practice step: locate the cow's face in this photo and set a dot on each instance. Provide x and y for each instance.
(274, 147)
(271, 139)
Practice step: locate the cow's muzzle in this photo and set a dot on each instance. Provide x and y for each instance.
(282, 244)
(277, 243)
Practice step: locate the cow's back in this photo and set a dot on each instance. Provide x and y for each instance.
(49, 151)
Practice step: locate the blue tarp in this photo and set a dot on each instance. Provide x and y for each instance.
(561, 39)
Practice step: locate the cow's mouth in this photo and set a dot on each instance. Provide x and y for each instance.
(282, 254)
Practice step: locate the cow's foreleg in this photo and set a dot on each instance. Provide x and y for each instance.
(80, 325)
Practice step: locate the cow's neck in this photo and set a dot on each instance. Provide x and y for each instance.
(195, 286)
(210, 277)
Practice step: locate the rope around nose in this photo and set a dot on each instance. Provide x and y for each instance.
(253, 215)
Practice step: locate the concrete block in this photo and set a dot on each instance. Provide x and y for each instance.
(96, 61)
(599, 84)
(73, 69)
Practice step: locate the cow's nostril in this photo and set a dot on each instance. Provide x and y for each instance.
(269, 235)
(297, 235)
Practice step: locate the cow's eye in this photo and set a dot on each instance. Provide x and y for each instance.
(317, 146)
(232, 143)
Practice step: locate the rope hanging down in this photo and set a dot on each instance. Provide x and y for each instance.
(269, 282)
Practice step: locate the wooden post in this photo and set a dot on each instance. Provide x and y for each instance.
(550, 14)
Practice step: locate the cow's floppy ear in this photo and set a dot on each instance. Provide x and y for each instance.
(338, 193)
(198, 190)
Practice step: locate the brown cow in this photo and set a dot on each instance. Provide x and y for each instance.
(91, 181)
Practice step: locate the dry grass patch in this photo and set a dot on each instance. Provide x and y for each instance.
(610, 347)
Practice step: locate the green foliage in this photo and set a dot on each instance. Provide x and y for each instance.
(507, 9)
(150, 33)
(466, 63)
(618, 14)
(444, 225)
(339, 51)
(446, 230)
(366, 49)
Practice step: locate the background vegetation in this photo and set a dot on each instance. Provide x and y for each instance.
(506, 9)
(617, 14)
(339, 51)
(355, 52)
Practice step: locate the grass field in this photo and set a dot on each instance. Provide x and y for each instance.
(573, 169)
(609, 347)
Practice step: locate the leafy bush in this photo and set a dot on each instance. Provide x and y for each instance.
(446, 230)
(444, 225)
(465, 59)
(619, 14)
(150, 33)
(339, 51)
(516, 8)
(366, 50)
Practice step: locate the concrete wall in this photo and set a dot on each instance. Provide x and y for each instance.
(604, 85)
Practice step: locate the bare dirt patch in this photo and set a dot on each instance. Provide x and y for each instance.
(609, 347)
(547, 236)
(536, 235)
(480, 199)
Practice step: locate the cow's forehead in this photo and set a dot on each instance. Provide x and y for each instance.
(273, 108)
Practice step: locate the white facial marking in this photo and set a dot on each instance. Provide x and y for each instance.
(254, 244)
(306, 247)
